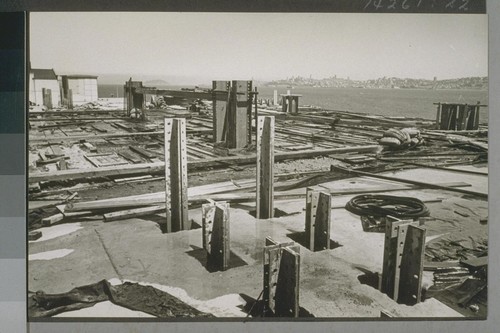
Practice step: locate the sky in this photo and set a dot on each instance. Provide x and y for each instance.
(261, 46)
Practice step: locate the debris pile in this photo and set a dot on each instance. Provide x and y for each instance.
(404, 138)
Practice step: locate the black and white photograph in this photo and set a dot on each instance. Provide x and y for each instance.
(211, 166)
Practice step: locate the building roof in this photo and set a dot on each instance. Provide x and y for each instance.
(80, 76)
(43, 74)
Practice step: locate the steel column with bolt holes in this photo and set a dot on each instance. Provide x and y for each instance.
(176, 200)
(215, 233)
(220, 107)
(404, 248)
(412, 266)
(318, 218)
(238, 124)
(265, 167)
(281, 279)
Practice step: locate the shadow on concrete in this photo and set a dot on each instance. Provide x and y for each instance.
(255, 309)
(300, 237)
(368, 277)
(201, 255)
(277, 213)
(160, 220)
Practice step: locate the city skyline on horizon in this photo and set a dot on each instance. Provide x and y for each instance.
(262, 46)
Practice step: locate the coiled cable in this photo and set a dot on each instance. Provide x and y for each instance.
(384, 205)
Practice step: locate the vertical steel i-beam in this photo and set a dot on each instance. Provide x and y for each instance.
(318, 217)
(215, 224)
(390, 255)
(176, 200)
(404, 249)
(412, 266)
(220, 108)
(240, 106)
(265, 167)
(281, 279)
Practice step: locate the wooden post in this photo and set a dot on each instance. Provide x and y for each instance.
(438, 116)
(403, 260)
(70, 99)
(176, 200)
(281, 279)
(461, 117)
(265, 167)
(220, 109)
(128, 96)
(476, 117)
(215, 230)
(294, 104)
(318, 217)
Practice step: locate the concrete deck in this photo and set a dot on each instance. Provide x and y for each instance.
(89, 250)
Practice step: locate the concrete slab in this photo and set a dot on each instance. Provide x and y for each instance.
(335, 283)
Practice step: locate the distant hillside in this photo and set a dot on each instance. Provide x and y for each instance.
(386, 82)
(154, 83)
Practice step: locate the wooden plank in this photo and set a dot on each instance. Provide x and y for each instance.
(42, 156)
(99, 127)
(110, 136)
(52, 160)
(412, 266)
(130, 156)
(202, 163)
(413, 182)
(89, 146)
(385, 314)
(265, 168)
(174, 93)
(48, 221)
(143, 152)
(131, 213)
(438, 116)
(128, 179)
(56, 151)
(34, 235)
(476, 263)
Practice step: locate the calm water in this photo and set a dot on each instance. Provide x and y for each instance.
(389, 102)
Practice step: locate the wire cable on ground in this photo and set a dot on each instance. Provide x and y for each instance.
(384, 205)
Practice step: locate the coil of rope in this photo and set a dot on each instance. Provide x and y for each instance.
(384, 205)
